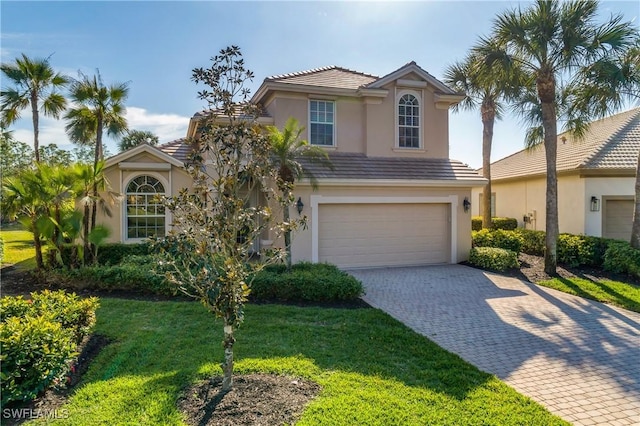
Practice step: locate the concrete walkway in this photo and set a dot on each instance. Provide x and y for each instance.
(579, 358)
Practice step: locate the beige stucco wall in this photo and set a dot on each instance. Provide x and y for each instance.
(173, 180)
(519, 197)
(302, 239)
(368, 125)
(603, 187)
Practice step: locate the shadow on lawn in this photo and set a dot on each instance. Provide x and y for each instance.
(619, 299)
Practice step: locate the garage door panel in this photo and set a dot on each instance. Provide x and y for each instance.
(618, 219)
(358, 235)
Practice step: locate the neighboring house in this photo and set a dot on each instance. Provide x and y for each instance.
(394, 196)
(596, 180)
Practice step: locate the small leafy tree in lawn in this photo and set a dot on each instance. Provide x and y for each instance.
(207, 251)
(286, 150)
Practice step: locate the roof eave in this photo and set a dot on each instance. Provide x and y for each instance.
(465, 183)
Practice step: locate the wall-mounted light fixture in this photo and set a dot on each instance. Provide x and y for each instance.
(595, 204)
(466, 204)
(299, 205)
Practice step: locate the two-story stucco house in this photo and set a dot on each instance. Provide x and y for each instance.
(394, 196)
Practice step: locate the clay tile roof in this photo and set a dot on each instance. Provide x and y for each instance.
(178, 149)
(610, 143)
(332, 76)
(359, 166)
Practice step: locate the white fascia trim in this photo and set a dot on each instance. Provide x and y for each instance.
(466, 183)
(316, 200)
(144, 166)
(301, 88)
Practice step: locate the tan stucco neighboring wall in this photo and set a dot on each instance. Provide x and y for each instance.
(528, 197)
(302, 239)
(603, 188)
(173, 180)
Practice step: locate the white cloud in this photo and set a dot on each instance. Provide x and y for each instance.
(167, 127)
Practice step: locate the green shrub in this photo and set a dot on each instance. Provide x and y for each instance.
(72, 312)
(577, 250)
(35, 352)
(495, 259)
(504, 223)
(38, 339)
(108, 254)
(532, 241)
(509, 240)
(306, 282)
(133, 273)
(620, 257)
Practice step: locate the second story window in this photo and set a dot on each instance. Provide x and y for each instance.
(408, 122)
(321, 123)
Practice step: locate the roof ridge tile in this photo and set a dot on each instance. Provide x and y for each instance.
(317, 70)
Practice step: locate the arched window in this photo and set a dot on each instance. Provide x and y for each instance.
(145, 213)
(408, 122)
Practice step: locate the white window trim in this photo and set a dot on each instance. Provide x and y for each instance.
(335, 119)
(316, 200)
(419, 96)
(167, 215)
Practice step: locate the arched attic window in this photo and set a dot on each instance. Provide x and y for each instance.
(145, 215)
(408, 122)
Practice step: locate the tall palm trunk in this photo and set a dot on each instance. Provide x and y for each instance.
(546, 87)
(635, 229)
(96, 160)
(35, 118)
(488, 112)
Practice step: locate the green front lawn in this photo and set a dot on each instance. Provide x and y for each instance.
(614, 292)
(372, 369)
(18, 247)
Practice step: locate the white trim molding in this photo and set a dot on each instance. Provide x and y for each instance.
(316, 200)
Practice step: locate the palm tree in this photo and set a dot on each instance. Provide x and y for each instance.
(554, 42)
(134, 138)
(98, 108)
(35, 84)
(286, 149)
(482, 88)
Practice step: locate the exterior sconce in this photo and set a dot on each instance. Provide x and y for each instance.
(595, 204)
(466, 204)
(299, 205)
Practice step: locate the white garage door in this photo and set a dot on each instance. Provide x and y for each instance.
(361, 235)
(618, 219)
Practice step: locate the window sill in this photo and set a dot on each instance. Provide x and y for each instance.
(327, 147)
(415, 150)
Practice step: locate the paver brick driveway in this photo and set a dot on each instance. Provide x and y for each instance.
(579, 358)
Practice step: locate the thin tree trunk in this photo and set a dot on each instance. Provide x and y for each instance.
(635, 229)
(287, 234)
(227, 364)
(37, 245)
(551, 147)
(488, 119)
(35, 118)
(96, 160)
(85, 239)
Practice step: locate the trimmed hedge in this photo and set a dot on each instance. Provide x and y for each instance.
(108, 254)
(306, 282)
(495, 259)
(508, 240)
(620, 257)
(133, 273)
(39, 338)
(504, 223)
(532, 241)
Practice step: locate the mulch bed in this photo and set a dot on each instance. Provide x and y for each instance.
(255, 399)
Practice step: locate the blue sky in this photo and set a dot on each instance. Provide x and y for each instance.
(155, 45)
